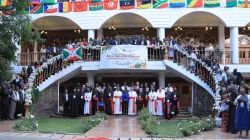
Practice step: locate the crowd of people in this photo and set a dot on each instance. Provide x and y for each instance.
(121, 99)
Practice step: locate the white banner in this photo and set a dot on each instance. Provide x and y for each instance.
(124, 57)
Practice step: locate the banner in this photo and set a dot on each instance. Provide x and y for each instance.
(110, 4)
(211, 3)
(65, 7)
(144, 4)
(228, 3)
(176, 3)
(127, 4)
(35, 2)
(244, 3)
(72, 54)
(123, 57)
(160, 4)
(48, 1)
(194, 3)
(80, 6)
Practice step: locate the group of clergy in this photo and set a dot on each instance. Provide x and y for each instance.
(117, 100)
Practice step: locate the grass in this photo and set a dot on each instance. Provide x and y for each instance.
(59, 125)
(169, 129)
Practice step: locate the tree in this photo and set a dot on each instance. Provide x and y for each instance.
(15, 28)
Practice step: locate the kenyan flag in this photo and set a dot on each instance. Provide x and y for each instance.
(72, 54)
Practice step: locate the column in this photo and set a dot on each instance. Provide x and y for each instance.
(91, 34)
(234, 45)
(161, 78)
(221, 33)
(35, 52)
(100, 33)
(161, 33)
(91, 78)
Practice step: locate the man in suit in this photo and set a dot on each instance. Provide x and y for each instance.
(66, 104)
(159, 41)
(136, 41)
(6, 93)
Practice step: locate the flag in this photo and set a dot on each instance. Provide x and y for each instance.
(5, 2)
(50, 8)
(8, 11)
(36, 9)
(110, 4)
(211, 3)
(127, 4)
(244, 3)
(228, 3)
(144, 4)
(72, 54)
(35, 2)
(80, 6)
(194, 3)
(94, 6)
(65, 7)
(48, 1)
(176, 3)
(160, 3)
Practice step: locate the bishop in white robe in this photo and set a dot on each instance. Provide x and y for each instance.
(152, 102)
(132, 102)
(160, 102)
(118, 101)
(87, 97)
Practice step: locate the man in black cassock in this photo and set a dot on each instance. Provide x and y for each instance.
(140, 100)
(74, 104)
(145, 96)
(176, 104)
(78, 88)
(5, 100)
(65, 101)
(108, 97)
(231, 111)
(168, 105)
(81, 102)
(94, 101)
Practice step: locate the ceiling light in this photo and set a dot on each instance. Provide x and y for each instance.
(142, 29)
(74, 30)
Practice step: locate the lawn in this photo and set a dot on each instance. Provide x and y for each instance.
(59, 125)
(169, 129)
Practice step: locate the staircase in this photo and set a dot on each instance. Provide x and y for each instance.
(184, 114)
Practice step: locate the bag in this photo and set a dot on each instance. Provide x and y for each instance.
(218, 121)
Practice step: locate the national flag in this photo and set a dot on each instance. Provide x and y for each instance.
(244, 3)
(127, 4)
(35, 2)
(50, 8)
(144, 4)
(71, 54)
(160, 3)
(8, 10)
(65, 7)
(110, 4)
(48, 1)
(80, 6)
(228, 3)
(36, 9)
(176, 3)
(95, 6)
(194, 3)
(211, 3)
(5, 2)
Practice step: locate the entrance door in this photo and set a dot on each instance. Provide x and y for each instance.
(185, 90)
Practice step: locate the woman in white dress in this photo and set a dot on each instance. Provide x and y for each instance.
(132, 102)
(152, 102)
(118, 101)
(87, 97)
(160, 102)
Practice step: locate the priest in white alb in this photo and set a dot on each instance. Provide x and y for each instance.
(87, 105)
(160, 102)
(118, 101)
(132, 102)
(152, 102)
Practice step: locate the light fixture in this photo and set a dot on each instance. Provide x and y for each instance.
(43, 32)
(208, 27)
(112, 27)
(79, 31)
(145, 28)
(178, 27)
(75, 31)
(248, 28)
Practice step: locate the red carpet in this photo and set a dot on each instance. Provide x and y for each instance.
(97, 138)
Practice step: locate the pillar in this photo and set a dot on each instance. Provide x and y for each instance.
(99, 78)
(221, 33)
(161, 33)
(91, 78)
(234, 45)
(35, 52)
(91, 34)
(100, 33)
(161, 78)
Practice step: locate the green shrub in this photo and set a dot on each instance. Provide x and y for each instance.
(26, 124)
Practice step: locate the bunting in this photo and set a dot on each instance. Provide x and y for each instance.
(176, 3)
(80, 6)
(244, 3)
(36, 9)
(35, 2)
(8, 11)
(5, 2)
(211, 3)
(160, 3)
(194, 3)
(50, 8)
(144, 4)
(65, 7)
(110, 4)
(94, 6)
(48, 1)
(228, 3)
(127, 4)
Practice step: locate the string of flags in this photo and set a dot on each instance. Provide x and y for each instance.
(53, 6)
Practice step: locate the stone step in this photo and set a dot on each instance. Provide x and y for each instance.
(184, 115)
(184, 118)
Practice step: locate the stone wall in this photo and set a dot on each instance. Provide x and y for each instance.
(202, 101)
(47, 103)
